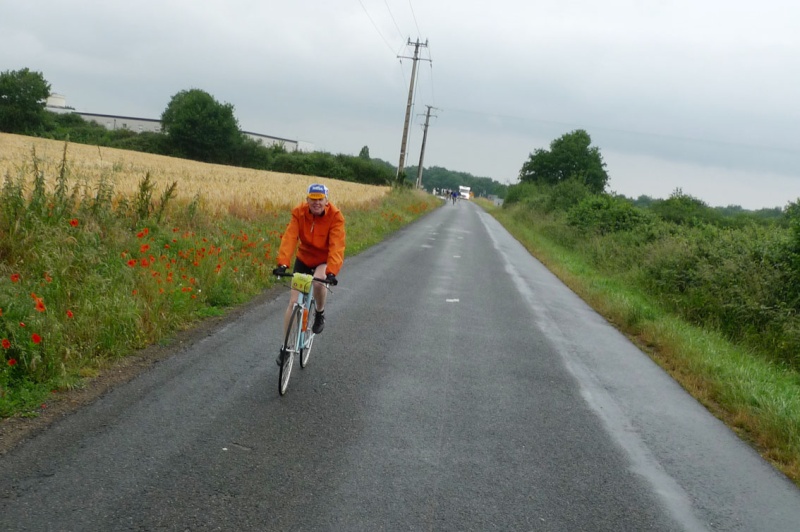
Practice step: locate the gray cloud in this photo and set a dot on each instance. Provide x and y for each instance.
(700, 88)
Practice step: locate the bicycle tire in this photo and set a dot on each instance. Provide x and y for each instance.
(305, 350)
(290, 346)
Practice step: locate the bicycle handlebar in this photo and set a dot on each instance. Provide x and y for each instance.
(290, 274)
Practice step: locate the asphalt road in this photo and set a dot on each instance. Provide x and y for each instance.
(458, 386)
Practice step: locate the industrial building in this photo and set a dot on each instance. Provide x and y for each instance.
(57, 103)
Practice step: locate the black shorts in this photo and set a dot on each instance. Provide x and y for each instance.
(302, 267)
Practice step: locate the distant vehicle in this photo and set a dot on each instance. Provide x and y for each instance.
(464, 192)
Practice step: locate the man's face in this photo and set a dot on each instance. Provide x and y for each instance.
(317, 206)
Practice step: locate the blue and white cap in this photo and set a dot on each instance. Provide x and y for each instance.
(317, 191)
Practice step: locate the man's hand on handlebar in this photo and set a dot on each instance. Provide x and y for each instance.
(331, 279)
(280, 270)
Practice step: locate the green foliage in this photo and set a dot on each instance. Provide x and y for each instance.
(683, 209)
(516, 193)
(442, 178)
(545, 197)
(200, 128)
(23, 95)
(603, 214)
(738, 275)
(570, 156)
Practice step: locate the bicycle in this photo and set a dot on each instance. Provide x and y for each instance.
(299, 336)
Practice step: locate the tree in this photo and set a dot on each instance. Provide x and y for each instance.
(364, 153)
(569, 156)
(23, 95)
(200, 128)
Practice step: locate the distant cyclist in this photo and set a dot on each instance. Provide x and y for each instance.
(316, 231)
(454, 196)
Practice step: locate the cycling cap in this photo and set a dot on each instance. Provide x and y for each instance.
(317, 191)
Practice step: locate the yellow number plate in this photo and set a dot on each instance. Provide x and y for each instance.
(302, 282)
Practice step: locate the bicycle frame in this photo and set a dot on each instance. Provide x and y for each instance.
(304, 302)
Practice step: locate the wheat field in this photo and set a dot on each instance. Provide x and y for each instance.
(221, 189)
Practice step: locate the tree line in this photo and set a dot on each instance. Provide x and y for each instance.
(196, 126)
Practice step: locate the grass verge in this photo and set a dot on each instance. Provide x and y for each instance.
(757, 399)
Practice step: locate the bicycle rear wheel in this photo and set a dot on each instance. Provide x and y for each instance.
(305, 349)
(290, 346)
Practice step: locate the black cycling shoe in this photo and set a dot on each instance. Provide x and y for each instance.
(279, 359)
(319, 322)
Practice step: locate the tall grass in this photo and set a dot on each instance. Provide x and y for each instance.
(89, 274)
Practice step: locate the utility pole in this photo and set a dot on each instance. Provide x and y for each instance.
(422, 151)
(402, 162)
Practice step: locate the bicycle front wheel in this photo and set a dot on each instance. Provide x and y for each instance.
(290, 347)
(305, 349)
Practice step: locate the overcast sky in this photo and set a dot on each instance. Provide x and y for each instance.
(702, 95)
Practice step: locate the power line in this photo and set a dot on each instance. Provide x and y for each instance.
(375, 26)
(414, 17)
(393, 20)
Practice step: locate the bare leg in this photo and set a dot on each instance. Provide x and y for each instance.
(292, 300)
(320, 292)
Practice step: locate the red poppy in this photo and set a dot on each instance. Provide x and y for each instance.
(14, 277)
(1, 312)
(40, 305)
(70, 314)
(133, 262)
(12, 361)
(144, 248)
(6, 343)
(74, 222)
(36, 339)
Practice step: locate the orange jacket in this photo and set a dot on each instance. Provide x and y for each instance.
(321, 238)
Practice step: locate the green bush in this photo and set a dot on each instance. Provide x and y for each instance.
(683, 209)
(606, 214)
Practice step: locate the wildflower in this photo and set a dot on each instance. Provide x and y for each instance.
(134, 292)
(74, 222)
(133, 262)
(70, 315)
(6, 343)
(1, 312)
(14, 277)
(21, 324)
(145, 263)
(12, 362)
(47, 277)
(36, 339)
(144, 248)
(40, 305)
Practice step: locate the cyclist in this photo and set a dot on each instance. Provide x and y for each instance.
(316, 232)
(454, 196)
